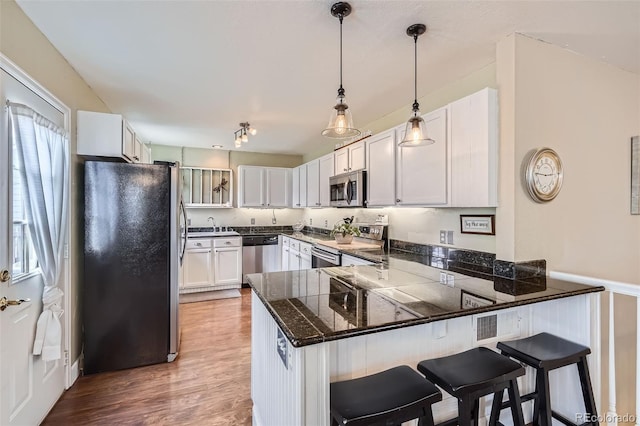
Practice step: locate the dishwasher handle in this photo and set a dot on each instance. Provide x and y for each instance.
(328, 257)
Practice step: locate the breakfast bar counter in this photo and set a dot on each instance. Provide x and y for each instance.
(313, 327)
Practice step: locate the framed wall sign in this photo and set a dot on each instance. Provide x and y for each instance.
(478, 224)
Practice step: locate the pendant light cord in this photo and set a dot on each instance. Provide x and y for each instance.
(341, 89)
(415, 73)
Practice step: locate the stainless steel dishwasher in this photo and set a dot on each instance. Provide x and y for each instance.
(259, 254)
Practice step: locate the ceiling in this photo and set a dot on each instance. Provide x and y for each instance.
(187, 72)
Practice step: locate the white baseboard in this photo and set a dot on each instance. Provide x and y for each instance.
(74, 372)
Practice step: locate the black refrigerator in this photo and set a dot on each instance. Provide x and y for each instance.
(133, 247)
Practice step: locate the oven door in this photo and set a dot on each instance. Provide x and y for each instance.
(338, 192)
(324, 259)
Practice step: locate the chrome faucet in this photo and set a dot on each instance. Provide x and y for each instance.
(213, 222)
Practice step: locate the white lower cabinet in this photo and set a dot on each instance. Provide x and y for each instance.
(197, 266)
(211, 264)
(228, 265)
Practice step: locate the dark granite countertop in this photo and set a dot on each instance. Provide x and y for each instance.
(317, 305)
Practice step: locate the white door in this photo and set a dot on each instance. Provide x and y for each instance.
(357, 158)
(381, 182)
(29, 387)
(341, 161)
(313, 183)
(277, 187)
(228, 265)
(326, 171)
(197, 268)
(251, 187)
(421, 171)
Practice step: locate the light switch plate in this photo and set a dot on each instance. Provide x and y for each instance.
(443, 277)
(450, 280)
(443, 237)
(310, 221)
(253, 220)
(449, 237)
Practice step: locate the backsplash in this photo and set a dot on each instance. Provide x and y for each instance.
(474, 263)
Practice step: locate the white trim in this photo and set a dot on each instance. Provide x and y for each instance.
(74, 372)
(19, 74)
(618, 287)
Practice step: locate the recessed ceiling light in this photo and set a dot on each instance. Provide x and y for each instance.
(217, 147)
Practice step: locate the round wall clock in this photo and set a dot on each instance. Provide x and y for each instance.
(543, 175)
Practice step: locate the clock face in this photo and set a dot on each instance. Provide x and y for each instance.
(544, 175)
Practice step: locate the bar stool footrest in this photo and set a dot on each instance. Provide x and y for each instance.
(564, 420)
(450, 422)
(523, 398)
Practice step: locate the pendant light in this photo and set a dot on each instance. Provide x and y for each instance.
(416, 131)
(340, 121)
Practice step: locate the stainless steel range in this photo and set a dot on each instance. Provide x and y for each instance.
(327, 253)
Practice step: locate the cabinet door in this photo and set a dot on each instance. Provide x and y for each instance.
(197, 268)
(137, 150)
(285, 258)
(326, 171)
(341, 161)
(228, 265)
(313, 185)
(295, 187)
(128, 141)
(251, 187)
(473, 126)
(357, 157)
(146, 154)
(381, 183)
(421, 171)
(277, 187)
(305, 262)
(303, 185)
(294, 260)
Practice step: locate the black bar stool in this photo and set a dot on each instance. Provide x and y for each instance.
(473, 374)
(546, 352)
(390, 397)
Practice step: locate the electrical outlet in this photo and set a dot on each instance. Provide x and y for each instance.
(273, 220)
(188, 222)
(443, 237)
(449, 237)
(450, 280)
(310, 221)
(253, 220)
(443, 277)
(326, 223)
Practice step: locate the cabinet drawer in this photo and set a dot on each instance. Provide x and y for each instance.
(305, 249)
(227, 242)
(198, 243)
(286, 241)
(294, 244)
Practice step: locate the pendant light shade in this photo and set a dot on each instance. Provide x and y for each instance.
(416, 130)
(340, 120)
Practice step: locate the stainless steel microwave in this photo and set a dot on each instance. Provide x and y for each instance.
(348, 189)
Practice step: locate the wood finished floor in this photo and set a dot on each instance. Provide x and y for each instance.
(208, 384)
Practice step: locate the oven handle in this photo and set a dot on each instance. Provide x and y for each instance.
(348, 191)
(329, 257)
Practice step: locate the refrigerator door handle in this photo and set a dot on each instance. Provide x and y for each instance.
(184, 240)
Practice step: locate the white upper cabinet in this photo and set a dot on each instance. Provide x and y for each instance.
(313, 183)
(277, 187)
(473, 124)
(299, 185)
(381, 148)
(267, 187)
(105, 135)
(146, 154)
(326, 165)
(251, 186)
(137, 150)
(421, 171)
(349, 158)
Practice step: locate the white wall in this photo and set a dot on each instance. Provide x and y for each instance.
(242, 217)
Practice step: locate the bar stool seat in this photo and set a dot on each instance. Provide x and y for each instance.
(472, 374)
(390, 397)
(545, 352)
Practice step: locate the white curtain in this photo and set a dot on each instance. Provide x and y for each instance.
(42, 157)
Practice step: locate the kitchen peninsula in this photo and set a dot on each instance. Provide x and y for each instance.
(312, 327)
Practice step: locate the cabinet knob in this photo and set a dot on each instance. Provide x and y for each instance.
(398, 200)
(227, 242)
(345, 170)
(199, 244)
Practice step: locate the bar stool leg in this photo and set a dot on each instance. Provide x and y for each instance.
(587, 391)
(464, 411)
(543, 399)
(516, 403)
(496, 407)
(427, 418)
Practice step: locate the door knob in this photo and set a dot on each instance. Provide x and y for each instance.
(4, 276)
(4, 302)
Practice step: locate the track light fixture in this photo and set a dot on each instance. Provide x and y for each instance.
(242, 134)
